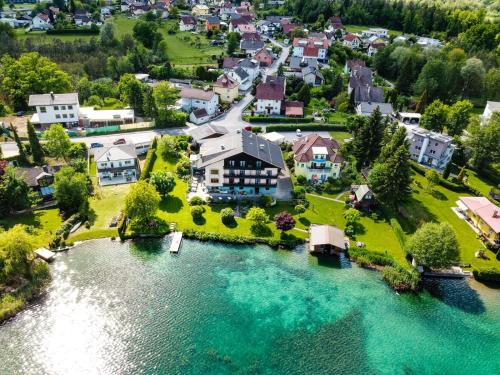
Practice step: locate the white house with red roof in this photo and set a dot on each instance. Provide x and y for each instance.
(352, 41)
(317, 158)
(315, 48)
(199, 99)
(270, 95)
(483, 215)
(41, 22)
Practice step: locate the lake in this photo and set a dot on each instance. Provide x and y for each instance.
(134, 308)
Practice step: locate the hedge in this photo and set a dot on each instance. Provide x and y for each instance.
(92, 31)
(373, 257)
(458, 188)
(486, 274)
(150, 160)
(306, 127)
(278, 120)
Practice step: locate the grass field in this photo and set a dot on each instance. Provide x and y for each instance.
(42, 224)
(42, 35)
(479, 183)
(340, 136)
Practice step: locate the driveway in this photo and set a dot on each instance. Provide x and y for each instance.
(290, 137)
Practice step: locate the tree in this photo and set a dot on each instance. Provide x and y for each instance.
(422, 102)
(227, 215)
(197, 212)
(16, 254)
(396, 140)
(435, 116)
(284, 221)
(70, 190)
(390, 180)
(281, 70)
(458, 117)
(58, 142)
(22, 153)
(473, 75)
(163, 182)
(492, 84)
(483, 142)
(36, 149)
(232, 43)
(432, 178)
(30, 74)
(351, 216)
(368, 140)
(131, 91)
(107, 35)
(15, 194)
(433, 80)
(434, 245)
(164, 94)
(257, 215)
(142, 201)
(167, 146)
(406, 76)
(145, 32)
(304, 94)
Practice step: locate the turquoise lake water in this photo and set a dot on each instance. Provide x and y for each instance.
(134, 308)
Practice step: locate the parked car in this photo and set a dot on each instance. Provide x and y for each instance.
(120, 141)
(20, 114)
(96, 145)
(298, 133)
(248, 128)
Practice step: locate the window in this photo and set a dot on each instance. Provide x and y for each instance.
(58, 116)
(71, 115)
(302, 165)
(128, 162)
(214, 180)
(70, 107)
(436, 144)
(242, 163)
(258, 164)
(231, 163)
(65, 115)
(56, 108)
(43, 109)
(63, 107)
(214, 171)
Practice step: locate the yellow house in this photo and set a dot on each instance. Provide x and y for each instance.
(200, 10)
(484, 215)
(226, 88)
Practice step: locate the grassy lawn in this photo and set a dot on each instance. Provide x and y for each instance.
(22, 34)
(181, 47)
(337, 118)
(427, 207)
(360, 28)
(479, 182)
(106, 203)
(340, 136)
(44, 224)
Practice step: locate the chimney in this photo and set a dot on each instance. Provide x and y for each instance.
(222, 147)
(495, 214)
(261, 146)
(52, 95)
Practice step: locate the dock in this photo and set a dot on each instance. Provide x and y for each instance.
(45, 254)
(176, 242)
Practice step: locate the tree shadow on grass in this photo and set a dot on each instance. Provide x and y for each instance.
(305, 221)
(438, 195)
(456, 293)
(171, 204)
(231, 224)
(359, 228)
(199, 220)
(261, 230)
(412, 214)
(91, 216)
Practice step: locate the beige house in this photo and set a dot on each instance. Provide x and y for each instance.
(200, 10)
(227, 88)
(484, 215)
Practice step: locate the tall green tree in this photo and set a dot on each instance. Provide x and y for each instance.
(142, 201)
(232, 43)
(483, 142)
(368, 140)
(36, 148)
(434, 245)
(70, 190)
(433, 80)
(16, 254)
(15, 194)
(163, 182)
(164, 94)
(397, 140)
(131, 91)
(458, 117)
(22, 152)
(492, 84)
(435, 116)
(304, 94)
(58, 143)
(473, 73)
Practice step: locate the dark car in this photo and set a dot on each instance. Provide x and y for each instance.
(20, 114)
(248, 128)
(96, 145)
(120, 141)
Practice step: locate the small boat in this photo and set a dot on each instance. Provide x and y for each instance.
(75, 227)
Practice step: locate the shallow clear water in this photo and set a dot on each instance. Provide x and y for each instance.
(134, 308)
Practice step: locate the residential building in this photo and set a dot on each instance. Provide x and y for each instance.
(374, 47)
(315, 48)
(55, 109)
(489, 109)
(251, 67)
(250, 47)
(430, 148)
(294, 109)
(317, 158)
(250, 36)
(208, 131)
(361, 197)
(360, 76)
(368, 94)
(377, 32)
(298, 63)
(326, 239)
(200, 10)
(230, 63)
(242, 77)
(287, 27)
(484, 216)
(408, 118)
(88, 117)
(264, 57)
(312, 76)
(336, 24)
(429, 42)
(246, 28)
(40, 179)
(270, 95)
(227, 88)
(240, 163)
(235, 23)
(352, 41)
(367, 108)
(354, 64)
(192, 99)
(116, 164)
(41, 22)
(187, 23)
(199, 116)
(212, 23)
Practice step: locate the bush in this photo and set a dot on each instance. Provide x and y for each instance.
(183, 168)
(196, 201)
(150, 161)
(256, 129)
(301, 180)
(227, 215)
(197, 212)
(277, 120)
(305, 127)
(90, 31)
(349, 231)
(167, 118)
(373, 257)
(299, 193)
(300, 209)
(265, 201)
(401, 279)
(486, 274)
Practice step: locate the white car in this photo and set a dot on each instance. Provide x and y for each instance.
(298, 133)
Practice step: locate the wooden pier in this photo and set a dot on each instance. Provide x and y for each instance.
(176, 242)
(45, 254)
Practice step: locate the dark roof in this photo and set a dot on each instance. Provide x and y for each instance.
(302, 148)
(207, 131)
(217, 149)
(247, 63)
(31, 175)
(361, 77)
(230, 62)
(368, 94)
(250, 36)
(188, 20)
(53, 99)
(272, 90)
(297, 63)
(213, 20)
(251, 44)
(200, 113)
(226, 82)
(241, 73)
